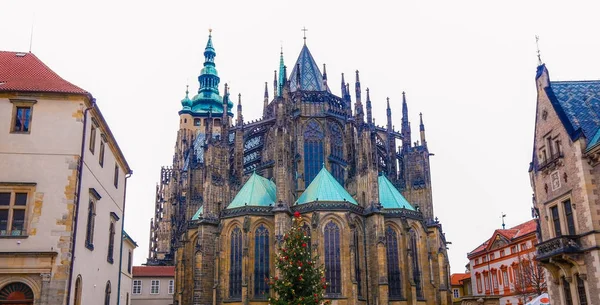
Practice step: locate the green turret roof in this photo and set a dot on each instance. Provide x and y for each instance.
(257, 191)
(324, 187)
(390, 197)
(198, 213)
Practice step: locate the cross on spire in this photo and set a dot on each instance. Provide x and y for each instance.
(304, 29)
(537, 44)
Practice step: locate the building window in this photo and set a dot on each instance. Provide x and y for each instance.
(523, 246)
(91, 223)
(154, 286)
(261, 262)
(116, 178)
(357, 262)
(393, 264)
(22, 114)
(107, 292)
(484, 259)
(492, 256)
(77, 295)
(502, 253)
(476, 261)
(197, 122)
(127, 299)
(513, 249)
(235, 264)
(555, 220)
(569, 217)
(505, 278)
(137, 287)
(13, 209)
(313, 151)
(129, 262)
(101, 157)
(567, 292)
(414, 247)
(16, 293)
(486, 281)
(581, 291)
(337, 151)
(171, 286)
(333, 268)
(111, 243)
(495, 279)
(455, 293)
(478, 277)
(93, 138)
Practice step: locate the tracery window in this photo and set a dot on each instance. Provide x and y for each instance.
(235, 264)
(415, 264)
(357, 261)
(337, 151)
(261, 262)
(333, 270)
(313, 151)
(393, 264)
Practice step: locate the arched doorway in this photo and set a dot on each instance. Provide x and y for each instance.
(16, 294)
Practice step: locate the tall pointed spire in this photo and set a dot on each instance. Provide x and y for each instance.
(275, 87)
(266, 99)
(343, 86)
(282, 74)
(422, 130)
(225, 117)
(358, 107)
(369, 109)
(406, 142)
(240, 117)
(324, 75)
(389, 115)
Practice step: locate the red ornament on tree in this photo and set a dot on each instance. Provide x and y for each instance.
(297, 214)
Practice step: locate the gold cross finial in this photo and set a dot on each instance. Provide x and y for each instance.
(304, 29)
(537, 44)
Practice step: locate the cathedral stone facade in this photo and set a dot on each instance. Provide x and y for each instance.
(364, 193)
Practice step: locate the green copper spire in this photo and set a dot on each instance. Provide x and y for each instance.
(281, 74)
(208, 96)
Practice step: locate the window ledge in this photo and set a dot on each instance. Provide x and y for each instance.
(14, 236)
(234, 300)
(89, 246)
(110, 260)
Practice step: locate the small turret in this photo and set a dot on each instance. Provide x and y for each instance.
(225, 117)
(358, 107)
(275, 92)
(324, 76)
(389, 116)
(240, 117)
(186, 102)
(405, 129)
(422, 130)
(266, 99)
(343, 87)
(369, 109)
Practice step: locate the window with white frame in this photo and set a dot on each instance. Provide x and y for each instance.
(171, 286)
(14, 198)
(154, 286)
(137, 287)
(455, 292)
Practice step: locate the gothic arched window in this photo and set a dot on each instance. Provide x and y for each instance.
(306, 230)
(337, 151)
(581, 291)
(235, 264)
(111, 243)
(261, 262)
(393, 264)
(313, 151)
(91, 221)
(77, 296)
(357, 262)
(333, 269)
(107, 292)
(415, 263)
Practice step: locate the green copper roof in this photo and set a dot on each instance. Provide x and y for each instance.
(390, 197)
(186, 102)
(325, 188)
(198, 213)
(257, 191)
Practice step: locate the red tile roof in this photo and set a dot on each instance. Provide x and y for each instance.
(24, 72)
(510, 234)
(457, 278)
(156, 271)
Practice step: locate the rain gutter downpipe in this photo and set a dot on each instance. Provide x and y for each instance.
(123, 231)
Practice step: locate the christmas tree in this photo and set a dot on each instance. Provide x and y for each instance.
(301, 279)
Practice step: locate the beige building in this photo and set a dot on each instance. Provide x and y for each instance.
(62, 190)
(153, 285)
(565, 176)
(129, 246)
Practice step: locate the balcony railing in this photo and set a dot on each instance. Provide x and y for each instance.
(558, 245)
(550, 161)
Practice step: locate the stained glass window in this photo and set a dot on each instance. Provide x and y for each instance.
(235, 264)
(337, 151)
(357, 262)
(415, 263)
(333, 270)
(393, 263)
(261, 262)
(313, 151)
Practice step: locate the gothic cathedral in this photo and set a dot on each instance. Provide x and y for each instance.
(225, 203)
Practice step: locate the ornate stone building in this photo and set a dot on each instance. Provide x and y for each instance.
(226, 201)
(564, 175)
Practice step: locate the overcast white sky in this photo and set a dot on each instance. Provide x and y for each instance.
(469, 67)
